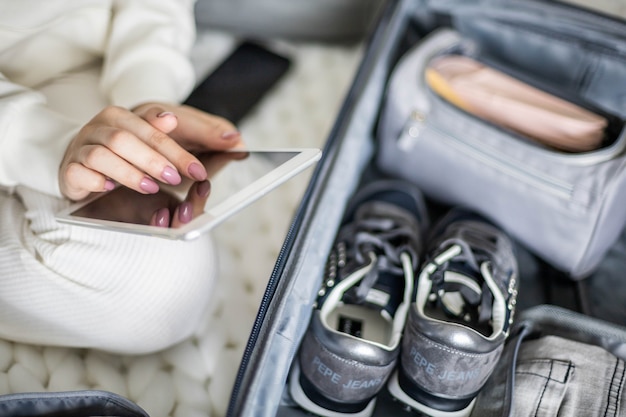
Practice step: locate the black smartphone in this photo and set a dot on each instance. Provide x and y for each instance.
(239, 82)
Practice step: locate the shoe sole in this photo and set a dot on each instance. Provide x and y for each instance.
(394, 389)
(298, 395)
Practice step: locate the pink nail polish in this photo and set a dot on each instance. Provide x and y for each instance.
(231, 134)
(108, 185)
(197, 171)
(203, 189)
(185, 212)
(148, 185)
(162, 217)
(171, 176)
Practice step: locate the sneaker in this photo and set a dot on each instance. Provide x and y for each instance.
(456, 328)
(353, 340)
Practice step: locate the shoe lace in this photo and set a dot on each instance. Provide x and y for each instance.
(478, 251)
(476, 298)
(378, 245)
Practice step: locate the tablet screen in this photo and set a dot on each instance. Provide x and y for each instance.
(236, 178)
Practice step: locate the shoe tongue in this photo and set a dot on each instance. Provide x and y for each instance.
(458, 289)
(392, 286)
(386, 293)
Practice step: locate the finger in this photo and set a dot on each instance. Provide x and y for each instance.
(194, 204)
(198, 130)
(198, 196)
(183, 161)
(79, 181)
(110, 164)
(136, 152)
(159, 118)
(161, 218)
(183, 214)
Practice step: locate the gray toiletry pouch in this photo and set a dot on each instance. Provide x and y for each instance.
(568, 208)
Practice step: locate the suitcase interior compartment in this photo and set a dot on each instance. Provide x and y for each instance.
(347, 164)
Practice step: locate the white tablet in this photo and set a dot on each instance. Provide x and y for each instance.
(236, 179)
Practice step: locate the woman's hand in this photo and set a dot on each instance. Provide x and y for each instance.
(142, 147)
(194, 129)
(181, 213)
(177, 215)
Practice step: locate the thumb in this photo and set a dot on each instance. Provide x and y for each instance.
(164, 120)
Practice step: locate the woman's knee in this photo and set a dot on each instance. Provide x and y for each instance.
(93, 288)
(162, 302)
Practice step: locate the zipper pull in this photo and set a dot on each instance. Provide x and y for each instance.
(412, 130)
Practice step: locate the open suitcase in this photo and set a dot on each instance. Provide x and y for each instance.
(579, 300)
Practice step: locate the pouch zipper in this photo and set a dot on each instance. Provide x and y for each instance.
(419, 121)
(615, 123)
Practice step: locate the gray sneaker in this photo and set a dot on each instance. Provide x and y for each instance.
(353, 340)
(456, 329)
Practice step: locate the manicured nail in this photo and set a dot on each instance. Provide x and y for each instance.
(108, 185)
(171, 176)
(197, 172)
(185, 212)
(203, 189)
(231, 134)
(148, 185)
(162, 217)
(165, 114)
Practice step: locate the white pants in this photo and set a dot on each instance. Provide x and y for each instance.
(74, 286)
(83, 287)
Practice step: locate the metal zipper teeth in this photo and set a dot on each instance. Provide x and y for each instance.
(580, 159)
(259, 319)
(508, 167)
(597, 156)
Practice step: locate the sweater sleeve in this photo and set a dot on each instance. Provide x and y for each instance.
(33, 139)
(146, 58)
(147, 55)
